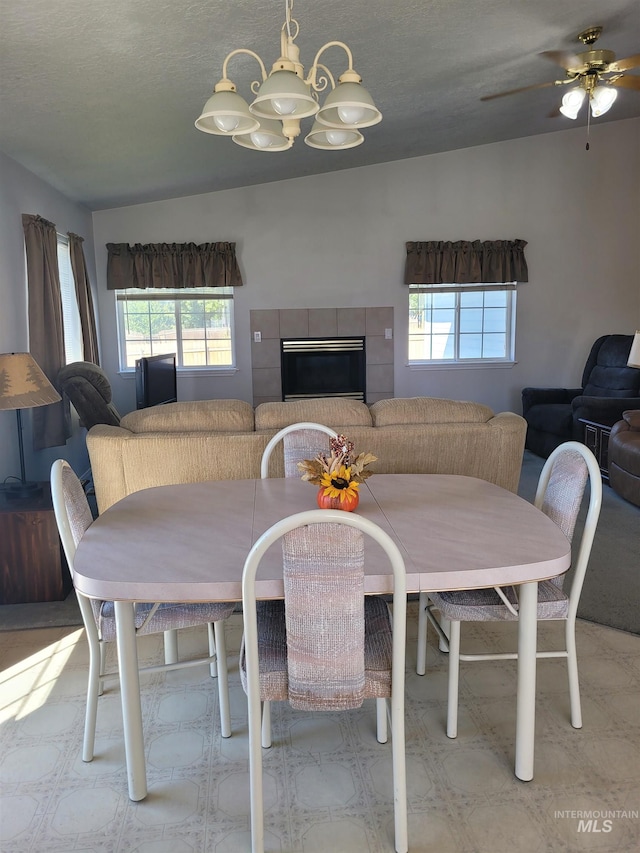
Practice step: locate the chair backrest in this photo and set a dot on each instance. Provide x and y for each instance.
(73, 518)
(323, 558)
(89, 389)
(606, 373)
(559, 495)
(302, 440)
(323, 570)
(70, 506)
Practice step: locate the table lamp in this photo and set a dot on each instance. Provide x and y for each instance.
(23, 385)
(634, 355)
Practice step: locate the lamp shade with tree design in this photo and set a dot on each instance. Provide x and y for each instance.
(23, 385)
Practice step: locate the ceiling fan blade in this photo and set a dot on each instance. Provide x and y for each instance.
(516, 91)
(625, 64)
(627, 83)
(565, 59)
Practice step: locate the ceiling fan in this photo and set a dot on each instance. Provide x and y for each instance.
(595, 73)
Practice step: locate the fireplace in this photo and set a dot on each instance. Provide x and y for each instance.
(323, 367)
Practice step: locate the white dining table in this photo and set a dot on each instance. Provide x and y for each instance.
(189, 542)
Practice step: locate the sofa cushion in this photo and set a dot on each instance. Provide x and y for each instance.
(330, 411)
(427, 410)
(197, 416)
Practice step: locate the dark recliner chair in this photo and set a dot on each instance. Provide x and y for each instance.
(609, 387)
(89, 390)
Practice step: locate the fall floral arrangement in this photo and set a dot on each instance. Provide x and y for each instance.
(338, 474)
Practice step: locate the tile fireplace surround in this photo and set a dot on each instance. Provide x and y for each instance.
(276, 323)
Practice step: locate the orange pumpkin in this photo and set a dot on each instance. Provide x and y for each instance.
(348, 504)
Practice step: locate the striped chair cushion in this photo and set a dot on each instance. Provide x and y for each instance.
(485, 605)
(302, 444)
(327, 647)
(272, 648)
(166, 618)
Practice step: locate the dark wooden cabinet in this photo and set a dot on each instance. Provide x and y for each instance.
(32, 564)
(596, 437)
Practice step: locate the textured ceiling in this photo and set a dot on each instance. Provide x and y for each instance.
(99, 97)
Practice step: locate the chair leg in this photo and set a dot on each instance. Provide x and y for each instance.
(382, 733)
(93, 690)
(444, 624)
(171, 646)
(454, 672)
(223, 679)
(572, 667)
(421, 652)
(266, 725)
(103, 666)
(213, 666)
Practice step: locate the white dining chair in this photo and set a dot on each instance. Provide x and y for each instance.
(73, 518)
(327, 646)
(302, 440)
(560, 493)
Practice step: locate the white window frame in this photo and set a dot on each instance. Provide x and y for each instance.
(456, 362)
(177, 295)
(73, 342)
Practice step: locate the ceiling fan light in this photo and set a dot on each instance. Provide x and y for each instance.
(602, 99)
(349, 105)
(333, 138)
(267, 137)
(283, 93)
(226, 113)
(571, 103)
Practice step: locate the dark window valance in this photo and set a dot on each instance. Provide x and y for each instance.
(172, 265)
(466, 262)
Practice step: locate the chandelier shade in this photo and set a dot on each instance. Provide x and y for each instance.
(602, 99)
(225, 114)
(571, 102)
(350, 105)
(285, 96)
(330, 138)
(268, 137)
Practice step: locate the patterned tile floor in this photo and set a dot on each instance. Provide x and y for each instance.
(327, 780)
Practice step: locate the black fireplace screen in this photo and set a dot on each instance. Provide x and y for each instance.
(323, 367)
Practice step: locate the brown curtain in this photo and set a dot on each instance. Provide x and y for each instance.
(85, 299)
(172, 265)
(51, 424)
(466, 262)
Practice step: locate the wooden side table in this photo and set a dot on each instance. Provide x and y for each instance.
(596, 437)
(32, 564)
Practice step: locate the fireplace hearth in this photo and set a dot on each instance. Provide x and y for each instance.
(323, 367)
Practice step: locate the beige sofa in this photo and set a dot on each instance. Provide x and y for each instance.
(224, 440)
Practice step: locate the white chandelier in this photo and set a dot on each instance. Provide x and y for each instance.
(285, 96)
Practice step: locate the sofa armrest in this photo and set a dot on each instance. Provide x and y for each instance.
(603, 410)
(535, 396)
(105, 447)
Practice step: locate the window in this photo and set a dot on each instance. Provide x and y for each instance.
(73, 346)
(453, 325)
(195, 323)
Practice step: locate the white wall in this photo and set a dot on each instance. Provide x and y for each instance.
(22, 192)
(339, 240)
